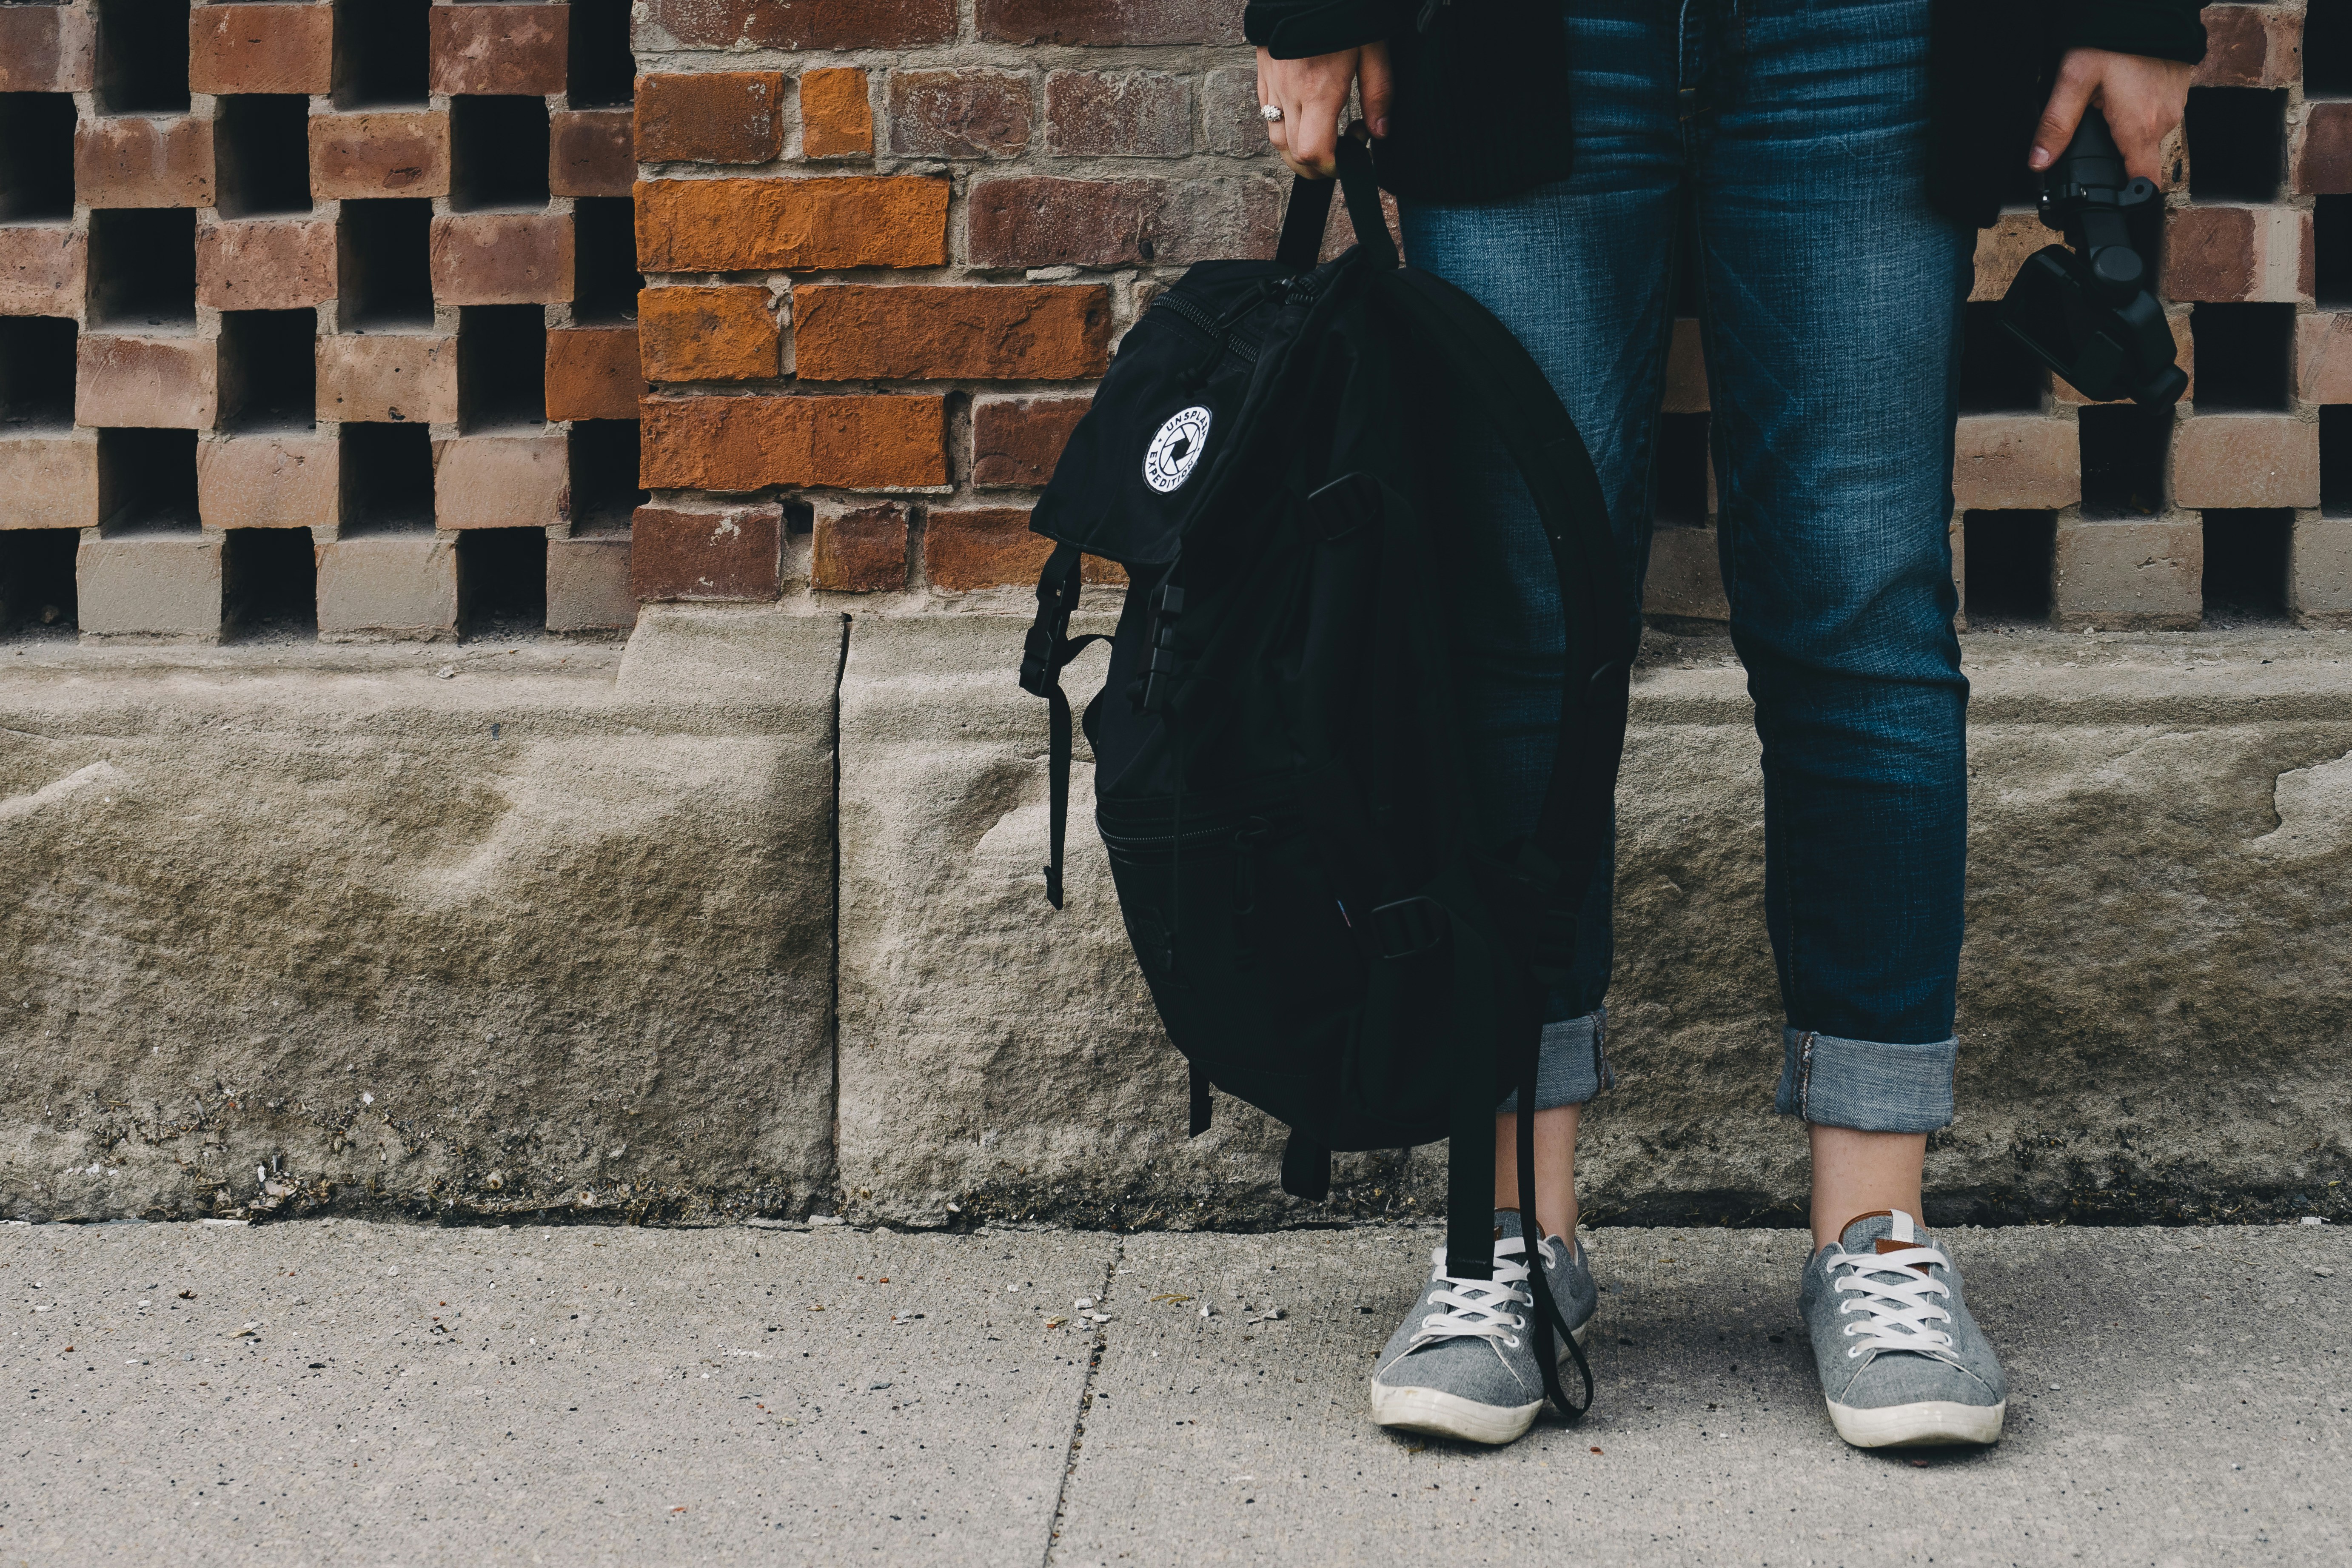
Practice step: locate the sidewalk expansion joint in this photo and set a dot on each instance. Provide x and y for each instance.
(1086, 1400)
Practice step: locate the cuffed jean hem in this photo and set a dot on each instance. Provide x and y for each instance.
(1571, 1064)
(1866, 1085)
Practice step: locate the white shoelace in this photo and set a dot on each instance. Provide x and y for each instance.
(1480, 1308)
(1894, 1296)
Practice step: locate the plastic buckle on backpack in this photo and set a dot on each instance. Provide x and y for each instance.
(1037, 661)
(1409, 927)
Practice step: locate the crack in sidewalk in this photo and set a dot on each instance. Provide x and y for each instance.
(1086, 1404)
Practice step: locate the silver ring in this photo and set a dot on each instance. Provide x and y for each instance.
(1269, 112)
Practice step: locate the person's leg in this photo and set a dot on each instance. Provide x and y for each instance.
(1581, 273)
(1833, 307)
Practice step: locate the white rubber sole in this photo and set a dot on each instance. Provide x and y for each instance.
(1443, 1415)
(1929, 1423)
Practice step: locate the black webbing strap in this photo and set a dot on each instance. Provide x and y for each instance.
(1049, 649)
(1305, 1168)
(1302, 226)
(1548, 1315)
(1470, 1130)
(1199, 1096)
(1310, 210)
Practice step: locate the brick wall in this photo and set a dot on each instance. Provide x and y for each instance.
(316, 315)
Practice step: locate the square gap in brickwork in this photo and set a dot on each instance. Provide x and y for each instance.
(2123, 459)
(269, 581)
(602, 70)
(2331, 246)
(2236, 140)
(604, 276)
(261, 154)
(502, 581)
(2245, 563)
(501, 367)
(2245, 355)
(36, 374)
(2328, 50)
(387, 478)
(604, 462)
(2009, 562)
(37, 178)
(384, 256)
(37, 580)
(1997, 376)
(2335, 461)
(383, 52)
(498, 149)
(268, 370)
(1680, 484)
(147, 481)
(142, 56)
(143, 267)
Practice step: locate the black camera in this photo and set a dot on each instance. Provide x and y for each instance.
(2086, 311)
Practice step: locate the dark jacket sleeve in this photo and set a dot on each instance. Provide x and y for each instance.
(1294, 29)
(2167, 29)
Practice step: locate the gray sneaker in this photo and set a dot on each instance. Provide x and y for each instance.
(1463, 1363)
(1901, 1363)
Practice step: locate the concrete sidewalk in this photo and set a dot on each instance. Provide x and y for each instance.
(346, 1391)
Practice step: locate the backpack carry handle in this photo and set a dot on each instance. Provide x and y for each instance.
(1310, 209)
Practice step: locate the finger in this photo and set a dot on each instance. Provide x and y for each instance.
(1314, 130)
(1375, 84)
(2059, 116)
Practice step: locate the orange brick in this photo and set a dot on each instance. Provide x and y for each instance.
(707, 335)
(859, 549)
(501, 258)
(1016, 441)
(845, 332)
(47, 48)
(41, 269)
(836, 117)
(266, 264)
(261, 48)
(399, 153)
(135, 161)
(500, 49)
(591, 152)
(736, 444)
(711, 116)
(734, 225)
(982, 547)
(592, 374)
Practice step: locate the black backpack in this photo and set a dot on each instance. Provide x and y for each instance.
(1328, 931)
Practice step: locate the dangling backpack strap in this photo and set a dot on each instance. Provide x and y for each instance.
(1549, 1317)
(1050, 647)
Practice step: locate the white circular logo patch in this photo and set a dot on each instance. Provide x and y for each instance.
(1176, 448)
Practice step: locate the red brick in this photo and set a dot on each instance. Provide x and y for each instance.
(591, 152)
(266, 264)
(859, 549)
(2323, 357)
(393, 152)
(47, 48)
(269, 480)
(136, 161)
(1125, 114)
(805, 24)
(1016, 441)
(383, 377)
(2245, 461)
(853, 331)
(41, 269)
(711, 116)
(520, 480)
(1110, 21)
(1230, 122)
(2322, 156)
(2220, 253)
(738, 444)
(726, 333)
(2013, 462)
(500, 49)
(1032, 221)
(2250, 45)
(168, 383)
(501, 258)
(972, 112)
(592, 372)
(737, 226)
(261, 48)
(837, 114)
(733, 553)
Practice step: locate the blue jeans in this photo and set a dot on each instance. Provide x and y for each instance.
(1831, 300)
